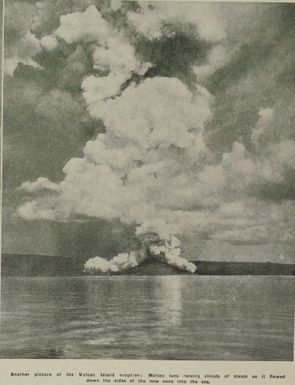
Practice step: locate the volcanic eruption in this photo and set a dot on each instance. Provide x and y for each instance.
(148, 165)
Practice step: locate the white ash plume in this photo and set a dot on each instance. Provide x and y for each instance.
(170, 253)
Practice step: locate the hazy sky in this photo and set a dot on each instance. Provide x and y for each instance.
(127, 118)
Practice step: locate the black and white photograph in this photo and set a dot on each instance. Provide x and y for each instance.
(148, 180)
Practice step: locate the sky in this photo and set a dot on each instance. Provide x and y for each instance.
(123, 119)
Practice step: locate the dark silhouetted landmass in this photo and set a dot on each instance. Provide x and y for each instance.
(244, 268)
(39, 265)
(52, 266)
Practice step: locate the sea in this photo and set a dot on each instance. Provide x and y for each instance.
(179, 317)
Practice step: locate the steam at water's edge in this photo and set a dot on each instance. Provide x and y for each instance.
(168, 252)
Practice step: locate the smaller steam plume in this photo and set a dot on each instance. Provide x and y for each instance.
(119, 263)
(167, 251)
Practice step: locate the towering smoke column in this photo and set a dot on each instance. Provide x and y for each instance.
(144, 168)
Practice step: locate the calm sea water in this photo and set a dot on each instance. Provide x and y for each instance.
(160, 317)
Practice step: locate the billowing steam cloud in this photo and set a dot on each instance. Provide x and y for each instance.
(139, 170)
(151, 167)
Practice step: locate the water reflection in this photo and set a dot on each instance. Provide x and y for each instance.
(164, 317)
(168, 290)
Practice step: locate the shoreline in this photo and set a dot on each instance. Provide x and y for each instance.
(17, 265)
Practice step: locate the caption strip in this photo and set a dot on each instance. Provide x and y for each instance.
(155, 378)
